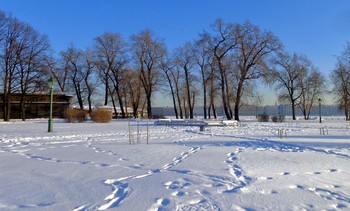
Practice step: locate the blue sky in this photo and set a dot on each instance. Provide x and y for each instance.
(318, 29)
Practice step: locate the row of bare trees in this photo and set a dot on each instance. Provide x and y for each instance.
(226, 62)
(218, 69)
(128, 73)
(221, 65)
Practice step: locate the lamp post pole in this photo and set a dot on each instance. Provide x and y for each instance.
(319, 109)
(50, 83)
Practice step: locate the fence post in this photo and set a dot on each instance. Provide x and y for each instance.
(282, 133)
(138, 131)
(323, 131)
(129, 132)
(147, 131)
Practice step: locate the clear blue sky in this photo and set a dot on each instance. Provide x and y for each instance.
(318, 29)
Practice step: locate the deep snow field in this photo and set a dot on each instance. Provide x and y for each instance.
(90, 166)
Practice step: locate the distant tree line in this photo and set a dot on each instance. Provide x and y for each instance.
(221, 67)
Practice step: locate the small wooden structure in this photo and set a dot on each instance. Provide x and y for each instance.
(36, 105)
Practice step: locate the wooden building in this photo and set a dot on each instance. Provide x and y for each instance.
(37, 105)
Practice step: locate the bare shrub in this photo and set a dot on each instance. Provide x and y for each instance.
(75, 115)
(263, 118)
(101, 115)
(279, 118)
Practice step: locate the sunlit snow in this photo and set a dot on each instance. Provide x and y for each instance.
(90, 166)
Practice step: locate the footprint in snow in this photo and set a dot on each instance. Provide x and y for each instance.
(265, 178)
(177, 184)
(197, 204)
(160, 204)
(178, 193)
(296, 187)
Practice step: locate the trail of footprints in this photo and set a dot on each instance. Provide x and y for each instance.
(191, 191)
(120, 186)
(236, 172)
(20, 150)
(339, 200)
(179, 187)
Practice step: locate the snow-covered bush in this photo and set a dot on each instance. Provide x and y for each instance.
(101, 115)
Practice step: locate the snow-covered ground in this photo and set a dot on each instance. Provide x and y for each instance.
(90, 166)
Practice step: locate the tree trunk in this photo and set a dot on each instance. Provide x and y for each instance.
(214, 112)
(188, 95)
(238, 99)
(185, 108)
(179, 103)
(224, 100)
(106, 91)
(209, 107)
(204, 102)
(293, 110)
(149, 106)
(237, 110)
(174, 104)
(89, 102)
(114, 108)
(347, 114)
(172, 95)
(120, 100)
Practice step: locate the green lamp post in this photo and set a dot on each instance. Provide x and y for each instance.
(50, 84)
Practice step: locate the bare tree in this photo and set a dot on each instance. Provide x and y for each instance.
(90, 78)
(214, 89)
(312, 87)
(148, 53)
(252, 49)
(59, 71)
(185, 59)
(168, 68)
(133, 90)
(221, 43)
(204, 60)
(10, 45)
(112, 59)
(177, 77)
(340, 77)
(288, 74)
(32, 67)
(22, 62)
(73, 59)
(3, 22)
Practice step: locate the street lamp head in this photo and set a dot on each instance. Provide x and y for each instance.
(50, 82)
(319, 100)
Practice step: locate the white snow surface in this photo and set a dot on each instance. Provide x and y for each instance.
(90, 166)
